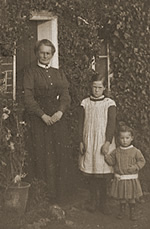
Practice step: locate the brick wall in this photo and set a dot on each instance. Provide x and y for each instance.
(6, 75)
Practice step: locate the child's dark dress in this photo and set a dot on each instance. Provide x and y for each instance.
(127, 161)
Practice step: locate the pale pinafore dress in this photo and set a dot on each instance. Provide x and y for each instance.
(94, 134)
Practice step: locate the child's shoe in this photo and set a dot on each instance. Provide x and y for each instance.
(133, 215)
(122, 211)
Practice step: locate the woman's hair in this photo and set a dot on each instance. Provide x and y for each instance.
(124, 128)
(45, 42)
(98, 77)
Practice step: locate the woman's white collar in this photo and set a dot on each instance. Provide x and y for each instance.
(44, 66)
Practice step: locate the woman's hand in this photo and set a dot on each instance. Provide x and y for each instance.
(82, 148)
(57, 116)
(47, 119)
(105, 148)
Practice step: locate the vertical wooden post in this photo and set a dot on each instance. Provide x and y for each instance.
(14, 75)
(108, 64)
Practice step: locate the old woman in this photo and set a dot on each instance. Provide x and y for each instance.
(46, 99)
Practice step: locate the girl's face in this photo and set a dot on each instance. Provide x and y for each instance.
(97, 88)
(125, 139)
(44, 54)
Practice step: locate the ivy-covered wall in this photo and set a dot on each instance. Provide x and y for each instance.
(125, 25)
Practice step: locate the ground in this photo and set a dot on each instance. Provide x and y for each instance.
(71, 214)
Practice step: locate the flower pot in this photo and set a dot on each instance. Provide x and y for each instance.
(16, 197)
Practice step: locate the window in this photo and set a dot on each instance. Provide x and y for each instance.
(101, 63)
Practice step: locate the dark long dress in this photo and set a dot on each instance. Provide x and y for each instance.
(46, 92)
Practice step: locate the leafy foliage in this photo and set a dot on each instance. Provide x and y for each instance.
(14, 20)
(130, 58)
(12, 145)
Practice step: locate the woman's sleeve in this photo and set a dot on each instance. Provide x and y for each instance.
(81, 114)
(65, 99)
(111, 123)
(31, 105)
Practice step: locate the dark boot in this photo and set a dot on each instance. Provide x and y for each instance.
(91, 206)
(122, 211)
(103, 206)
(133, 215)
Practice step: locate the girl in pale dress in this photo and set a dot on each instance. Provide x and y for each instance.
(127, 160)
(97, 126)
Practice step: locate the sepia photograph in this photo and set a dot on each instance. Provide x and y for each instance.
(74, 114)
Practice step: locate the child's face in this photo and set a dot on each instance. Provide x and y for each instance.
(125, 138)
(97, 88)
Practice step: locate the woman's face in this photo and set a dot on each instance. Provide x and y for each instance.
(97, 88)
(44, 54)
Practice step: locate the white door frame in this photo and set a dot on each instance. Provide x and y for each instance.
(47, 28)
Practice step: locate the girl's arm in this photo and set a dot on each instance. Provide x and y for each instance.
(81, 114)
(111, 158)
(110, 129)
(140, 160)
(111, 123)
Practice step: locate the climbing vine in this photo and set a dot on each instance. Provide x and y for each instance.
(128, 35)
(125, 25)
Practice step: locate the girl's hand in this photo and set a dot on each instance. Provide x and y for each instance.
(47, 119)
(82, 148)
(105, 148)
(132, 169)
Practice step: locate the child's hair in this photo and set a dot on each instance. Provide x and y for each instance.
(98, 77)
(124, 128)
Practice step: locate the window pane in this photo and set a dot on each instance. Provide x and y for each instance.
(103, 49)
(101, 66)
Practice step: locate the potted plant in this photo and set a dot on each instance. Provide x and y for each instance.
(12, 156)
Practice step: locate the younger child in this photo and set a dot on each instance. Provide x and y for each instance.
(97, 126)
(127, 161)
